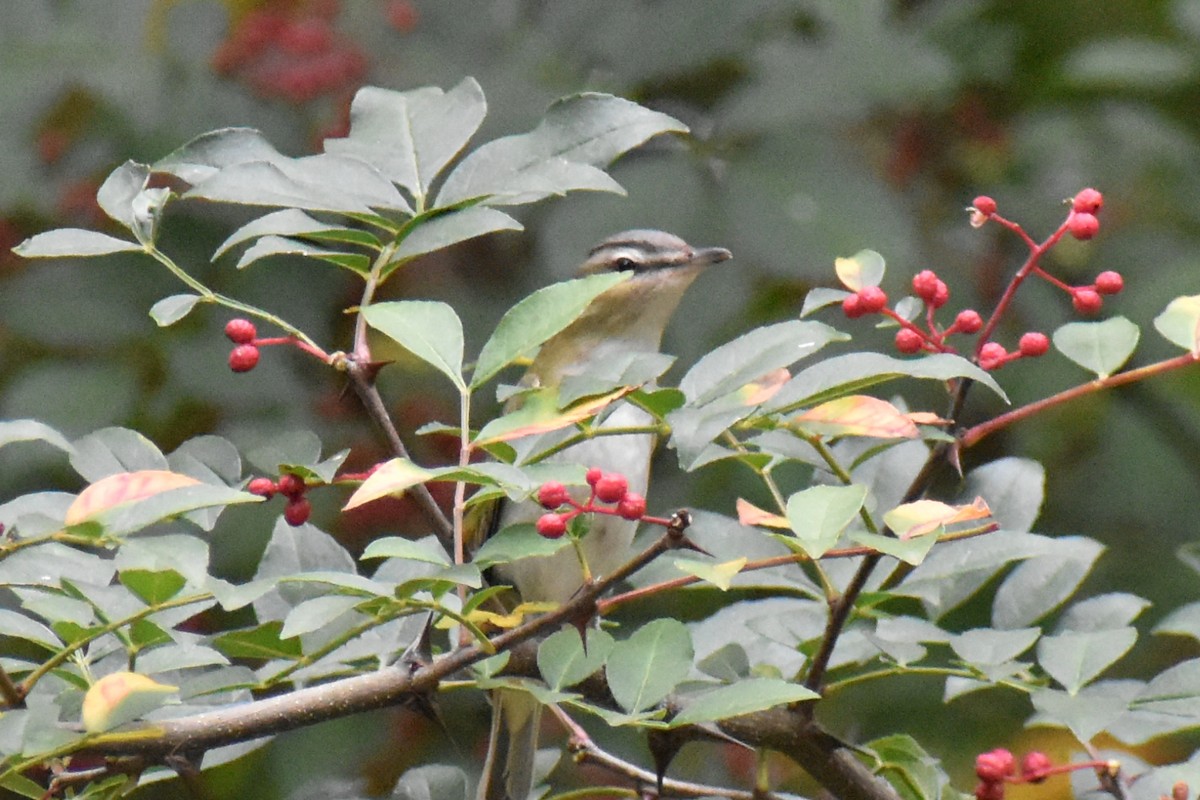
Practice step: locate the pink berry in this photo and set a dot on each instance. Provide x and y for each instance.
(612, 487)
(243, 358)
(968, 321)
(992, 355)
(240, 331)
(632, 506)
(1034, 766)
(940, 295)
(290, 485)
(305, 37)
(852, 307)
(1109, 282)
(263, 487)
(1034, 344)
(1083, 226)
(1087, 201)
(995, 765)
(909, 341)
(552, 494)
(984, 205)
(594, 474)
(551, 526)
(925, 284)
(872, 299)
(297, 511)
(1086, 301)
(990, 790)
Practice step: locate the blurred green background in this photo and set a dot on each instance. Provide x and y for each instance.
(819, 128)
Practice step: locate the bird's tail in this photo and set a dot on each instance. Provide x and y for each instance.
(508, 769)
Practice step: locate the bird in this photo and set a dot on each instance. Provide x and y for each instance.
(629, 318)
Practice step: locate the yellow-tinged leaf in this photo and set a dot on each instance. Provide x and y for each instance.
(864, 268)
(859, 415)
(750, 514)
(719, 575)
(482, 618)
(391, 477)
(926, 418)
(121, 697)
(923, 517)
(764, 387)
(539, 413)
(124, 488)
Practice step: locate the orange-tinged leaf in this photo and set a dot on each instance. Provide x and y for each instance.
(923, 517)
(926, 418)
(124, 488)
(539, 413)
(764, 387)
(121, 697)
(750, 514)
(858, 415)
(391, 477)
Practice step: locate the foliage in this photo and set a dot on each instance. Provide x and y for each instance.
(853, 576)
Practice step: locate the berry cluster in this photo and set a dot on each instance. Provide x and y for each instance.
(611, 488)
(997, 767)
(293, 487)
(1081, 223)
(296, 57)
(244, 355)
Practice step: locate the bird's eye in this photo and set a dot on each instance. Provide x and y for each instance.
(624, 264)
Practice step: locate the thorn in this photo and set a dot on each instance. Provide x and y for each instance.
(687, 544)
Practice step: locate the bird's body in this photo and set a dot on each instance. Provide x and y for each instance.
(627, 320)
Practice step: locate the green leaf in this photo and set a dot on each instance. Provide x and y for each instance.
(1102, 347)
(278, 245)
(1184, 621)
(752, 355)
(426, 550)
(911, 551)
(515, 542)
(819, 297)
(909, 769)
(171, 309)
(66, 242)
(564, 662)
(1087, 713)
(294, 222)
(1075, 658)
(988, 646)
(1103, 613)
(263, 641)
(578, 134)
(19, 626)
(1180, 323)
(126, 519)
(647, 666)
(30, 430)
(116, 194)
(443, 230)
(819, 514)
(433, 781)
(314, 614)
(850, 374)
(111, 450)
(153, 587)
(744, 697)
(411, 136)
(1040, 585)
(208, 153)
(1013, 488)
(429, 330)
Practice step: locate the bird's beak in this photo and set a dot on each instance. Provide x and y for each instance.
(704, 256)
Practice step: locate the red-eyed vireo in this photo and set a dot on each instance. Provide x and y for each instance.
(627, 319)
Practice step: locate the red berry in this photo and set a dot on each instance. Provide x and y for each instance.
(941, 295)
(552, 494)
(263, 487)
(1083, 226)
(305, 37)
(992, 355)
(1086, 301)
(1087, 201)
(968, 321)
(1180, 791)
(593, 475)
(1034, 344)
(240, 331)
(612, 487)
(551, 526)
(852, 307)
(909, 341)
(872, 299)
(297, 511)
(990, 790)
(1034, 766)
(402, 15)
(243, 358)
(1109, 282)
(632, 506)
(984, 205)
(995, 765)
(925, 284)
(290, 485)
